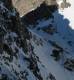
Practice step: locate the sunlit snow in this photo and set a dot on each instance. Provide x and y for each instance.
(68, 12)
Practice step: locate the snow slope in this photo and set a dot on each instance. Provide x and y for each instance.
(57, 37)
(43, 49)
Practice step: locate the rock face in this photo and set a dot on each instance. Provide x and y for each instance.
(12, 33)
(8, 3)
(25, 6)
(65, 4)
(11, 18)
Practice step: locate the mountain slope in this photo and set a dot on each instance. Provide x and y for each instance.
(52, 36)
(17, 58)
(35, 47)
